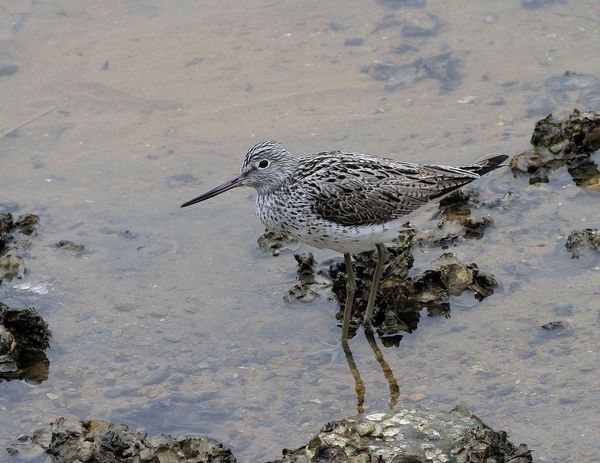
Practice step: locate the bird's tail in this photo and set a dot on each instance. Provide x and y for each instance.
(487, 165)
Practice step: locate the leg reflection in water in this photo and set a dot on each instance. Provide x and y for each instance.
(387, 370)
(359, 385)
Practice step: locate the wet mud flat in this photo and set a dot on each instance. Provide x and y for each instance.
(419, 435)
(420, 79)
(402, 296)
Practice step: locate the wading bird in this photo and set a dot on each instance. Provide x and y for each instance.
(346, 202)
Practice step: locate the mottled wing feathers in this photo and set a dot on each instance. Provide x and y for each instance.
(366, 204)
(355, 189)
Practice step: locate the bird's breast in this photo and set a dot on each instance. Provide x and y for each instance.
(272, 212)
(304, 225)
(285, 213)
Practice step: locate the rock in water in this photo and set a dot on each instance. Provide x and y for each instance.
(409, 436)
(560, 142)
(24, 336)
(580, 240)
(101, 441)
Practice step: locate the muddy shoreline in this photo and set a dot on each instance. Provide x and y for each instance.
(174, 323)
(557, 144)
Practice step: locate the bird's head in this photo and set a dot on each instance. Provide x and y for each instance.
(266, 167)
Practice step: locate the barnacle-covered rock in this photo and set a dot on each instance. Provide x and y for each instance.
(300, 292)
(458, 219)
(557, 143)
(310, 284)
(580, 240)
(24, 336)
(12, 264)
(27, 223)
(7, 346)
(306, 264)
(11, 267)
(275, 242)
(27, 326)
(68, 245)
(6, 222)
(409, 436)
(558, 328)
(103, 442)
(401, 298)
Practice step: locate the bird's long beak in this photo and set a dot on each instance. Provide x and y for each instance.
(227, 185)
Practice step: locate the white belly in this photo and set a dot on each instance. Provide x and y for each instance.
(307, 228)
(353, 240)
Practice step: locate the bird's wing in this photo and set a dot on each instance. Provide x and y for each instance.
(375, 194)
(356, 203)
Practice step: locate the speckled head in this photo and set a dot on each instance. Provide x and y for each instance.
(272, 150)
(266, 167)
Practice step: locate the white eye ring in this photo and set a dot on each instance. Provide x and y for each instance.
(263, 164)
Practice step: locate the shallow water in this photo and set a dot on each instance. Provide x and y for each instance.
(174, 320)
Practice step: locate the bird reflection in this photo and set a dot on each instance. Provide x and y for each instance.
(359, 385)
(586, 174)
(385, 368)
(31, 366)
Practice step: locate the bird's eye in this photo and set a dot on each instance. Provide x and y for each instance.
(263, 164)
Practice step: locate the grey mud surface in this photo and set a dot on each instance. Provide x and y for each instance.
(174, 320)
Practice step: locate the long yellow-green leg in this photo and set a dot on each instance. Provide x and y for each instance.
(382, 255)
(350, 290)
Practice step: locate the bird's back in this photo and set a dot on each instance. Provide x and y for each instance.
(357, 189)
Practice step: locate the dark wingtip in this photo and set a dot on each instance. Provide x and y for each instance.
(495, 161)
(487, 165)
